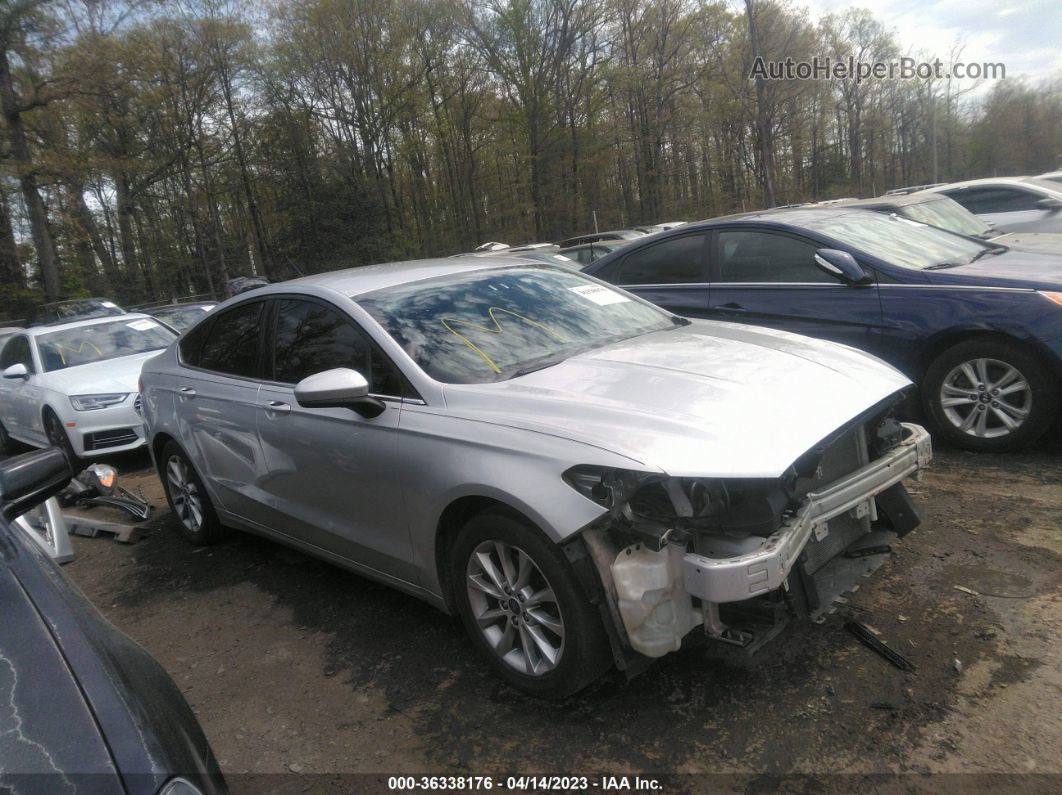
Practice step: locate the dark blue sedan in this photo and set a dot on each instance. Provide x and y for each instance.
(977, 325)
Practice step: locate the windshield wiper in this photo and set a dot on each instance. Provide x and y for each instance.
(534, 367)
(985, 251)
(938, 266)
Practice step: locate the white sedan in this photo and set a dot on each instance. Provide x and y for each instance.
(75, 385)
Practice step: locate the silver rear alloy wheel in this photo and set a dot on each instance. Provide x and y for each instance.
(515, 607)
(184, 493)
(986, 398)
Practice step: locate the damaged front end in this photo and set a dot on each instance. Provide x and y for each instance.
(742, 556)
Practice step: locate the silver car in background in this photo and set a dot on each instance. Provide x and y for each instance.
(583, 477)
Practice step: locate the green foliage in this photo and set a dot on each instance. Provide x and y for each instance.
(183, 144)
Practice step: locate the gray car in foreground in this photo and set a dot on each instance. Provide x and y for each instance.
(583, 477)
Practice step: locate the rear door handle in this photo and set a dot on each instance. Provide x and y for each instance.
(733, 307)
(187, 391)
(276, 407)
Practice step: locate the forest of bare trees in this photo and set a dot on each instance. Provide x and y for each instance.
(156, 149)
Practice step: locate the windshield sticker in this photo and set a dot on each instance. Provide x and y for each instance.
(599, 294)
(142, 325)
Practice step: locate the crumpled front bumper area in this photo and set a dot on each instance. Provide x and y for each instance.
(655, 589)
(734, 579)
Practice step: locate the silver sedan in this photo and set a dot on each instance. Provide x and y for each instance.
(583, 477)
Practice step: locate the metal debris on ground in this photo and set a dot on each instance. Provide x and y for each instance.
(90, 528)
(868, 639)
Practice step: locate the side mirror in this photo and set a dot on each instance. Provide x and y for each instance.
(29, 479)
(843, 266)
(1049, 204)
(341, 388)
(16, 371)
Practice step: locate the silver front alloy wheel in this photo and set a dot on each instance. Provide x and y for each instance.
(986, 398)
(515, 608)
(184, 493)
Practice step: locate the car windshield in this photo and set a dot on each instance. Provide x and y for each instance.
(492, 325)
(101, 341)
(947, 214)
(899, 241)
(182, 317)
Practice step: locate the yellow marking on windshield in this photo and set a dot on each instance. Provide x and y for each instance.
(59, 348)
(496, 330)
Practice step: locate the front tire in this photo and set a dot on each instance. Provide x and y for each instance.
(7, 444)
(188, 499)
(523, 608)
(58, 437)
(989, 396)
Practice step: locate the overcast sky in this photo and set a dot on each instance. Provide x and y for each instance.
(1026, 35)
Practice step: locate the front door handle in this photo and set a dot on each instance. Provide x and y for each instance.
(733, 307)
(276, 407)
(187, 391)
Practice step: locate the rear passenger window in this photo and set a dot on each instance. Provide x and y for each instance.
(679, 260)
(231, 343)
(750, 256)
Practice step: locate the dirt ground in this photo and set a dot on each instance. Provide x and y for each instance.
(295, 666)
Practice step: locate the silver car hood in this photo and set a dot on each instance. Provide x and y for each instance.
(121, 374)
(710, 399)
(1042, 242)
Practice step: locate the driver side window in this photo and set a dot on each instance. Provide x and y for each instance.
(311, 338)
(17, 351)
(756, 257)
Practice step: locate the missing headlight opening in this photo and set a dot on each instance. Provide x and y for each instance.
(742, 557)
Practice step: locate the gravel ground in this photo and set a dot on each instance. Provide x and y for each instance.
(295, 666)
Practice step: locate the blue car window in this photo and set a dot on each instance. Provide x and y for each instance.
(752, 256)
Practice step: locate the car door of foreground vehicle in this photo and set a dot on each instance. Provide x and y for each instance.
(333, 477)
(20, 398)
(216, 404)
(770, 279)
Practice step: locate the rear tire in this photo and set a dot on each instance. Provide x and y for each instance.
(523, 608)
(188, 499)
(989, 396)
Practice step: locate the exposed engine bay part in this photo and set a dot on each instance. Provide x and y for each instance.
(656, 610)
(676, 552)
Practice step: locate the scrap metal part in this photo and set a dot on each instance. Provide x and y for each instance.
(871, 641)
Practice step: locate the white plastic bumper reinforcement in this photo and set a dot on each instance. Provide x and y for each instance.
(741, 577)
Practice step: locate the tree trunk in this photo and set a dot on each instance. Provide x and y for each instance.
(47, 259)
(763, 127)
(11, 272)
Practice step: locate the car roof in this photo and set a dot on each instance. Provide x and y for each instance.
(988, 181)
(898, 200)
(369, 278)
(598, 244)
(125, 317)
(782, 215)
(77, 301)
(184, 305)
